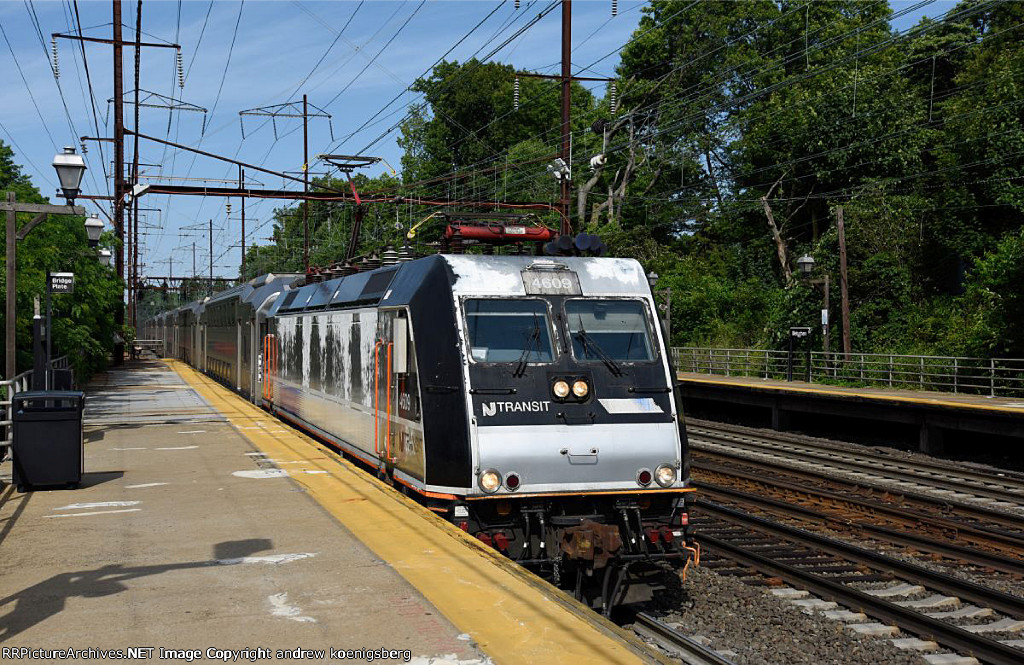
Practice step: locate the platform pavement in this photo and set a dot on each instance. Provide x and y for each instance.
(203, 522)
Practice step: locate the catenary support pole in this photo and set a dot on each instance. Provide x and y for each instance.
(566, 228)
(843, 283)
(10, 322)
(305, 183)
(118, 170)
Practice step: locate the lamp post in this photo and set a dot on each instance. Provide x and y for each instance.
(806, 265)
(666, 308)
(70, 168)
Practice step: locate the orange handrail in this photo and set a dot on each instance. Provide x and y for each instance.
(387, 438)
(376, 397)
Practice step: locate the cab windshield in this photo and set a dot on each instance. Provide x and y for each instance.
(508, 331)
(609, 329)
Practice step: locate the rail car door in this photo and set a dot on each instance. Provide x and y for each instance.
(269, 362)
(387, 349)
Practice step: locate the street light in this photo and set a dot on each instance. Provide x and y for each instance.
(104, 257)
(70, 168)
(806, 264)
(94, 229)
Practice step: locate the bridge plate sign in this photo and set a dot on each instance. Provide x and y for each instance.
(62, 282)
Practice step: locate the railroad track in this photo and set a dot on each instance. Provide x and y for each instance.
(862, 580)
(939, 537)
(952, 483)
(674, 642)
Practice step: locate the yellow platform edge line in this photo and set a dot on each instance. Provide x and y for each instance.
(844, 393)
(511, 614)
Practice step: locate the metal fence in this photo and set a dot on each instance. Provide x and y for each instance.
(10, 388)
(979, 376)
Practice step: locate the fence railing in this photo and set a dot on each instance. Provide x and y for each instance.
(10, 388)
(980, 376)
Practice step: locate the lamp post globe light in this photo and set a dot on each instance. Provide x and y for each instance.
(806, 264)
(70, 167)
(104, 257)
(94, 229)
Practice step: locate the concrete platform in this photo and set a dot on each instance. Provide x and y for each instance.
(205, 523)
(928, 419)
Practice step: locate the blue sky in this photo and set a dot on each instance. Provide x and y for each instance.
(275, 47)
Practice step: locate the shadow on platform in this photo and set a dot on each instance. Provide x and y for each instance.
(39, 602)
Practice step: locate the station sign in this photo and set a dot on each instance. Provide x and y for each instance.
(799, 333)
(62, 282)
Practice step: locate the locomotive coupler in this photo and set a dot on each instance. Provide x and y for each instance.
(590, 541)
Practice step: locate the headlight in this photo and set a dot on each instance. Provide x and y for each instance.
(665, 475)
(490, 481)
(580, 389)
(560, 389)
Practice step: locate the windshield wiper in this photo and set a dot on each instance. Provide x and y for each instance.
(520, 369)
(588, 341)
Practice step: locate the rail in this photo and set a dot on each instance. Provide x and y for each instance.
(995, 377)
(11, 387)
(8, 389)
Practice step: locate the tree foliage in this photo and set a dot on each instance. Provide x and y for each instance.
(83, 322)
(741, 129)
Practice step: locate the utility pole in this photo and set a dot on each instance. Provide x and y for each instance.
(134, 273)
(290, 110)
(566, 77)
(241, 183)
(193, 259)
(211, 255)
(305, 183)
(118, 169)
(565, 228)
(120, 187)
(843, 284)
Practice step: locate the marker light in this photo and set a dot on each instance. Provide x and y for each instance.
(560, 389)
(512, 482)
(643, 477)
(665, 475)
(490, 481)
(580, 388)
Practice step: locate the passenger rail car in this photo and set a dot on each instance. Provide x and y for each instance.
(528, 400)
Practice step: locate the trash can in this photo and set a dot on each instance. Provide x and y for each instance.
(48, 447)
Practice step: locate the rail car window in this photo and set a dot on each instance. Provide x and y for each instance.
(507, 331)
(615, 328)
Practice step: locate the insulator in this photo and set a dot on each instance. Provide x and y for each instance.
(181, 71)
(517, 4)
(56, 62)
(85, 148)
(390, 256)
(515, 94)
(615, 7)
(613, 96)
(227, 207)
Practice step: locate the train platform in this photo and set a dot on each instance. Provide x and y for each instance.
(207, 529)
(932, 418)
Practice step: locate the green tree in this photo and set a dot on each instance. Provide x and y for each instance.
(83, 323)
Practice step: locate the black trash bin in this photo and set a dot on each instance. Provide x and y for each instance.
(48, 447)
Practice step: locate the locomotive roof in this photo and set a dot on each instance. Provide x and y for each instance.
(467, 275)
(503, 275)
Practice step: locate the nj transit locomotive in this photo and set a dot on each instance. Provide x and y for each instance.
(528, 400)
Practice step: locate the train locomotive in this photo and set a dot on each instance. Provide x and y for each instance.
(528, 400)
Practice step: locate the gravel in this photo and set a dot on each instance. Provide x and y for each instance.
(763, 630)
